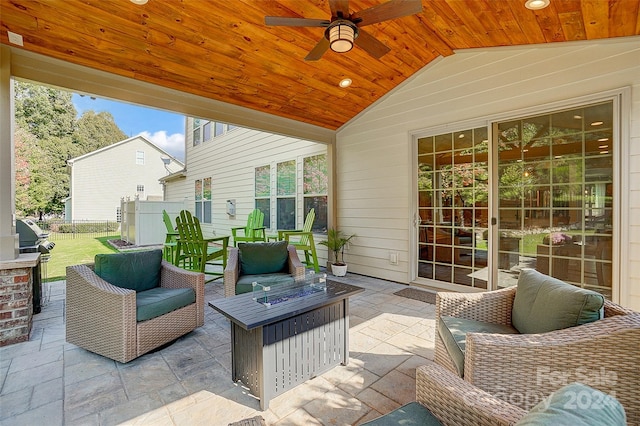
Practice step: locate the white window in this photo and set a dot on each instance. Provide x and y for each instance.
(203, 199)
(197, 135)
(206, 131)
(140, 157)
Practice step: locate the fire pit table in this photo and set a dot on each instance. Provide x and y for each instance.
(282, 336)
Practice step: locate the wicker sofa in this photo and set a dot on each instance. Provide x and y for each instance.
(102, 317)
(604, 353)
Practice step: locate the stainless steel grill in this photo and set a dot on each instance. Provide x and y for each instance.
(32, 238)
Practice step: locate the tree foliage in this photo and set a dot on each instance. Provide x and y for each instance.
(48, 133)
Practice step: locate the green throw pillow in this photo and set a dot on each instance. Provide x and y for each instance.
(543, 304)
(137, 271)
(576, 405)
(263, 258)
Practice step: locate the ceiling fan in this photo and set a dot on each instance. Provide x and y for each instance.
(344, 28)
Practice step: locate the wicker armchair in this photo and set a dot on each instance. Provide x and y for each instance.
(101, 317)
(523, 368)
(232, 271)
(457, 402)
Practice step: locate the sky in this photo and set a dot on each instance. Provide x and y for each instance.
(165, 129)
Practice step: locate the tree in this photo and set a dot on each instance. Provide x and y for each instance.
(24, 145)
(95, 131)
(47, 135)
(44, 111)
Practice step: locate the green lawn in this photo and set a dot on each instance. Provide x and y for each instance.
(75, 251)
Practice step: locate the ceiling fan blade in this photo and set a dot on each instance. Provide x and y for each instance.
(390, 10)
(283, 21)
(339, 6)
(370, 44)
(319, 50)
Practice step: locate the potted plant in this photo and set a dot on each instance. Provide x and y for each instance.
(335, 242)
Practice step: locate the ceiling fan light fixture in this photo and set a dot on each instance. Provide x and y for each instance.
(536, 4)
(341, 36)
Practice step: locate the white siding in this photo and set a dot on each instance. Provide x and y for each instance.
(230, 160)
(374, 164)
(176, 189)
(101, 178)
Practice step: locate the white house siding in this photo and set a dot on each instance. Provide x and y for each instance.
(176, 189)
(230, 160)
(374, 151)
(100, 178)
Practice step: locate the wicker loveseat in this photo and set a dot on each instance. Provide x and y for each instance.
(115, 321)
(522, 368)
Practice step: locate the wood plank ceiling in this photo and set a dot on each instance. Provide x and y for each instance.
(224, 51)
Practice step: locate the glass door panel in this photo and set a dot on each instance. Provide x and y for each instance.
(453, 207)
(555, 188)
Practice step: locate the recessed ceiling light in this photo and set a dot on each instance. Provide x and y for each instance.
(15, 38)
(577, 117)
(604, 152)
(603, 139)
(139, 2)
(603, 147)
(536, 4)
(597, 123)
(345, 82)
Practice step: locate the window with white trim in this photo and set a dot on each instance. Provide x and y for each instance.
(203, 200)
(263, 192)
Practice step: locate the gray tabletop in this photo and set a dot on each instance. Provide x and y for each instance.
(249, 314)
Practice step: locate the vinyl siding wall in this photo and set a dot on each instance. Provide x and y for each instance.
(100, 179)
(230, 160)
(374, 151)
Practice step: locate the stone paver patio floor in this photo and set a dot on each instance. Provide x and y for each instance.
(50, 382)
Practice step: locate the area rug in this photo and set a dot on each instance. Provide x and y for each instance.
(253, 421)
(414, 293)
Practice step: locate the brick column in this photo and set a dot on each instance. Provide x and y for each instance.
(16, 299)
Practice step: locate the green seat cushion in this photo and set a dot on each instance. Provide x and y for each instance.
(159, 301)
(544, 304)
(263, 258)
(411, 414)
(244, 284)
(576, 405)
(137, 271)
(453, 332)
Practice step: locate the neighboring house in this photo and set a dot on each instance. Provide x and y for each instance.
(232, 170)
(127, 169)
